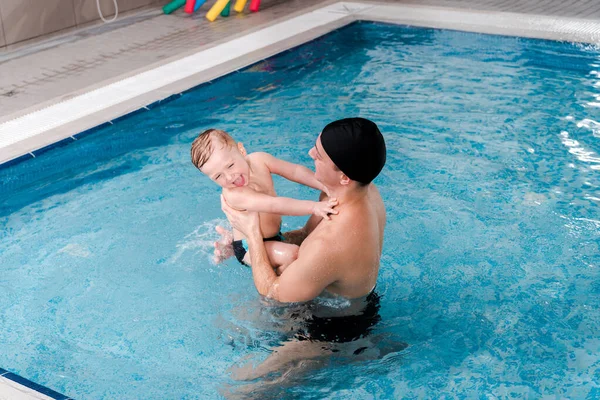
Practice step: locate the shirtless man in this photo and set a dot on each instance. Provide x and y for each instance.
(337, 258)
(341, 255)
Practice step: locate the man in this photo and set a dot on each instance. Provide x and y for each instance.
(337, 258)
(341, 255)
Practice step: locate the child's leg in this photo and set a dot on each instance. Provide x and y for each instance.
(281, 254)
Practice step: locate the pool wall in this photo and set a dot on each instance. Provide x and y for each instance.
(13, 386)
(65, 122)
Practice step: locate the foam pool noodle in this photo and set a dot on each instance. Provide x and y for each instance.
(214, 12)
(172, 6)
(225, 12)
(189, 6)
(239, 5)
(254, 5)
(198, 4)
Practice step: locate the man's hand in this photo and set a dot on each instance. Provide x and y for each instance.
(246, 222)
(223, 246)
(324, 208)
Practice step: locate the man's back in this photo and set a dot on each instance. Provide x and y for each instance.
(354, 241)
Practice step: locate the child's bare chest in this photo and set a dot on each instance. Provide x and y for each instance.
(262, 182)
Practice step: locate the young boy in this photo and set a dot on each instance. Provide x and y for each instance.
(247, 185)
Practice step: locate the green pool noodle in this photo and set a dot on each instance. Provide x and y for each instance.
(225, 12)
(172, 6)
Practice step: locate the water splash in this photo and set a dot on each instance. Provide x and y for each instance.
(200, 241)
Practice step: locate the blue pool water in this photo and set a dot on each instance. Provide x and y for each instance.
(490, 270)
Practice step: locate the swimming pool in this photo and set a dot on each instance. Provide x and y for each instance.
(490, 266)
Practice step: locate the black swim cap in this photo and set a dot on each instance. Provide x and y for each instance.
(356, 147)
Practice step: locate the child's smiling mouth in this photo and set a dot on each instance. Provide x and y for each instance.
(239, 181)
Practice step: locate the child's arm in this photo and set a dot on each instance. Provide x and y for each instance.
(292, 172)
(248, 199)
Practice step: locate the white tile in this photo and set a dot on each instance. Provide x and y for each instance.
(493, 22)
(81, 106)
(10, 390)
(346, 8)
(140, 45)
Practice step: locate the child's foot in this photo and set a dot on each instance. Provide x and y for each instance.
(223, 247)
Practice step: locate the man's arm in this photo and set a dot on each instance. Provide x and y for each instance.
(291, 172)
(303, 280)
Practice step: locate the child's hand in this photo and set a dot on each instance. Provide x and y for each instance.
(324, 208)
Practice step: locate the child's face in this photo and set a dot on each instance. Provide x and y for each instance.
(227, 166)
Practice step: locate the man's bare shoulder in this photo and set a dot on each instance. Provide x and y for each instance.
(328, 237)
(317, 238)
(351, 230)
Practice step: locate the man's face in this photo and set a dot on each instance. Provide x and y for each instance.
(325, 170)
(227, 166)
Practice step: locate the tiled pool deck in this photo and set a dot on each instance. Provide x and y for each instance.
(44, 86)
(53, 69)
(58, 69)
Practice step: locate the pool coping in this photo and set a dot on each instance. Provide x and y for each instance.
(25, 387)
(299, 28)
(41, 130)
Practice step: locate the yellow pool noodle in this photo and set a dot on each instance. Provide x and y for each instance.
(239, 5)
(214, 12)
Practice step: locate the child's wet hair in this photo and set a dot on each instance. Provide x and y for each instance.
(203, 145)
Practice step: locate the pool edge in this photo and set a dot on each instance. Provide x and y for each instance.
(487, 22)
(19, 383)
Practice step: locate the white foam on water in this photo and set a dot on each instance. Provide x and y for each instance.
(200, 241)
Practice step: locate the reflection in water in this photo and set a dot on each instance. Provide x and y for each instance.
(579, 151)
